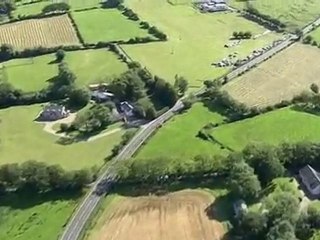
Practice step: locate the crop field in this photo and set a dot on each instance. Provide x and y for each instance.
(19, 131)
(284, 125)
(178, 215)
(294, 13)
(178, 137)
(32, 74)
(280, 78)
(106, 25)
(40, 217)
(195, 40)
(46, 32)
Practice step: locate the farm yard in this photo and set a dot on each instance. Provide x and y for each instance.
(19, 131)
(171, 216)
(115, 26)
(195, 40)
(32, 74)
(26, 217)
(46, 32)
(280, 78)
(276, 127)
(181, 131)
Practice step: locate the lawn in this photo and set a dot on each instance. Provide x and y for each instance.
(294, 13)
(22, 139)
(35, 217)
(106, 25)
(178, 137)
(284, 125)
(195, 40)
(32, 74)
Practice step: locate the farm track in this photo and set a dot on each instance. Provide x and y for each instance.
(45, 32)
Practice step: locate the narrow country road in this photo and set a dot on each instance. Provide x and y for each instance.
(78, 221)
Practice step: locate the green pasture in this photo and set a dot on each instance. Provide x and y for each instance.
(284, 125)
(178, 137)
(106, 25)
(27, 8)
(195, 40)
(35, 217)
(316, 35)
(23, 139)
(32, 74)
(294, 13)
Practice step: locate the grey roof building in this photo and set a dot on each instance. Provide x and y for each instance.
(310, 179)
(53, 112)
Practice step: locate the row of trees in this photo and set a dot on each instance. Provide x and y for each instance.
(142, 89)
(38, 177)
(242, 35)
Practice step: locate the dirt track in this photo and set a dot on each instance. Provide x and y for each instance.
(175, 216)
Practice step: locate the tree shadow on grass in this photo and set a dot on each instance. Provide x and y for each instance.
(221, 208)
(24, 200)
(298, 108)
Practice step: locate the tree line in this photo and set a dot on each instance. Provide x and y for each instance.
(248, 174)
(39, 177)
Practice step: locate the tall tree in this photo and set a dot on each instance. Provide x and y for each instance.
(243, 182)
(283, 230)
(265, 161)
(181, 84)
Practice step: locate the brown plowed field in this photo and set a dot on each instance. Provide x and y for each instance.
(175, 216)
(46, 32)
(280, 78)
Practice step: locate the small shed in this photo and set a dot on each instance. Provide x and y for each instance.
(239, 208)
(127, 109)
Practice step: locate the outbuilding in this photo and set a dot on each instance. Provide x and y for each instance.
(311, 180)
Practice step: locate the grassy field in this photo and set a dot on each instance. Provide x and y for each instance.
(284, 125)
(36, 8)
(106, 25)
(22, 139)
(35, 217)
(178, 137)
(269, 84)
(316, 35)
(295, 14)
(31, 74)
(195, 40)
(45, 32)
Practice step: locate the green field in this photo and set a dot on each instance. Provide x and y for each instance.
(285, 125)
(294, 13)
(22, 139)
(178, 137)
(36, 8)
(32, 74)
(316, 35)
(106, 25)
(195, 40)
(34, 217)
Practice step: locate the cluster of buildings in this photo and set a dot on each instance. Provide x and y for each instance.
(212, 5)
(99, 94)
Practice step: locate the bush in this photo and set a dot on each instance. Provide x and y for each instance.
(56, 7)
(60, 54)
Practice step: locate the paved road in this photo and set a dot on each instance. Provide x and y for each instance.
(77, 223)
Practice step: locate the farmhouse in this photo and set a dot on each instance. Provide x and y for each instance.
(310, 179)
(127, 109)
(53, 112)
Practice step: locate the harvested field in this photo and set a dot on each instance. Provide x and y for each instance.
(179, 215)
(280, 78)
(46, 32)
